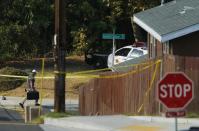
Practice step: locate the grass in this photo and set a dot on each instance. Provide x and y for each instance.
(40, 120)
(73, 64)
(133, 114)
(72, 86)
(192, 115)
(188, 115)
(60, 115)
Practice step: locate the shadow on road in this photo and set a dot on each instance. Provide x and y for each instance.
(7, 115)
(11, 120)
(19, 127)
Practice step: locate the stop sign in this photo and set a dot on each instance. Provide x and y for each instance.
(175, 91)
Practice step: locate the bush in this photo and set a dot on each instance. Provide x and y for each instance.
(7, 83)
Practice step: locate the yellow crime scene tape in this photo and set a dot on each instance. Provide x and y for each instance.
(150, 86)
(81, 74)
(84, 74)
(98, 70)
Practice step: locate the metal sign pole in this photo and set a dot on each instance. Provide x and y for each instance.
(176, 124)
(113, 54)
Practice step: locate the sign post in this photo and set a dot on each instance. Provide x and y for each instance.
(176, 123)
(175, 91)
(113, 56)
(113, 37)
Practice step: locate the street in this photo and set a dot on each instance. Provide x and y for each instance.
(28, 127)
(12, 120)
(19, 127)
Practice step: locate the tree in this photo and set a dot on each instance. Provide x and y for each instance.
(120, 18)
(25, 27)
(85, 18)
(137, 6)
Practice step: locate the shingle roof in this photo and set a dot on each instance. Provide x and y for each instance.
(171, 20)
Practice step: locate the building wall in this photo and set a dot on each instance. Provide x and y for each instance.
(187, 45)
(155, 48)
(159, 49)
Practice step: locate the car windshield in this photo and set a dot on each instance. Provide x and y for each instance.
(136, 53)
(123, 52)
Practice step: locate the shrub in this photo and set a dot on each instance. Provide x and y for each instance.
(7, 83)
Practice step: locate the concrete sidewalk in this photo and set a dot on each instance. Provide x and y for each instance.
(190, 121)
(122, 123)
(99, 123)
(13, 102)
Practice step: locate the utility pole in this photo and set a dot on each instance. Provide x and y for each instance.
(59, 54)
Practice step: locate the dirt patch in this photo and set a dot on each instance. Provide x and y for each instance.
(73, 64)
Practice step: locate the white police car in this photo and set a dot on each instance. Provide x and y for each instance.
(126, 53)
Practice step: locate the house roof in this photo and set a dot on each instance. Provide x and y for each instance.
(171, 20)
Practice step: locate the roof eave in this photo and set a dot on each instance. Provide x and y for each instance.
(179, 33)
(169, 36)
(147, 28)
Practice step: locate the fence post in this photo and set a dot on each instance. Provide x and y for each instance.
(161, 75)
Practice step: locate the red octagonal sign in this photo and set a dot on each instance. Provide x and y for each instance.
(175, 91)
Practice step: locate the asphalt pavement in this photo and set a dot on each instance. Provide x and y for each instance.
(12, 120)
(29, 127)
(19, 127)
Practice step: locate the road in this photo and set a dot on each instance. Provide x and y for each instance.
(11, 120)
(28, 127)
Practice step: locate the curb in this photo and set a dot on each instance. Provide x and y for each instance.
(66, 123)
(114, 123)
(166, 120)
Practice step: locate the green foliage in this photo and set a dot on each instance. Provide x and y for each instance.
(27, 26)
(39, 120)
(192, 115)
(59, 115)
(80, 41)
(87, 21)
(7, 83)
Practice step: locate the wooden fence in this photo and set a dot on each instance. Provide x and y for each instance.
(190, 66)
(123, 92)
(133, 92)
